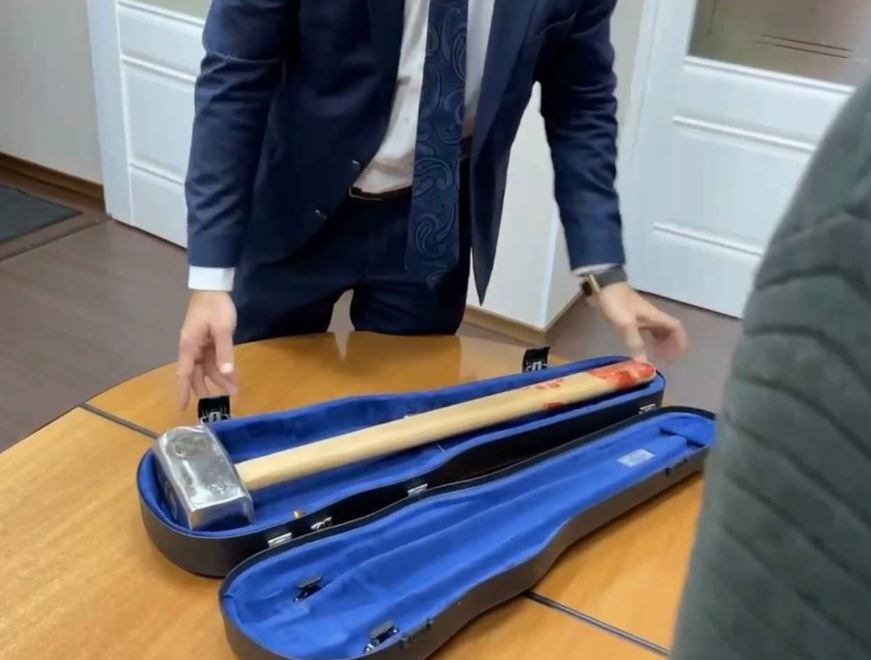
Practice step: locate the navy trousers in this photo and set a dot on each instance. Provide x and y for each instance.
(360, 248)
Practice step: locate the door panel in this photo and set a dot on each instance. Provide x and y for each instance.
(160, 114)
(753, 100)
(162, 203)
(726, 198)
(724, 137)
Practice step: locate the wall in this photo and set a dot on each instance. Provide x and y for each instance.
(47, 108)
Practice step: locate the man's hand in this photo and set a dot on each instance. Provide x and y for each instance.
(631, 314)
(206, 345)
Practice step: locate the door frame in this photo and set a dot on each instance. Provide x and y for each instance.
(627, 162)
(111, 113)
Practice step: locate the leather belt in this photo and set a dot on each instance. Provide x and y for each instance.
(357, 193)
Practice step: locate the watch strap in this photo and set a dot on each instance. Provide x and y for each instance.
(594, 283)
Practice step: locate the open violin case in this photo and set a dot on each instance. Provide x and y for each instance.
(392, 557)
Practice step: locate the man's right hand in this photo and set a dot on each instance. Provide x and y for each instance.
(206, 345)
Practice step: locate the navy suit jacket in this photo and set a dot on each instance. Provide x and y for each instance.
(294, 98)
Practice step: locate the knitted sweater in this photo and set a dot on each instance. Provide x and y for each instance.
(781, 568)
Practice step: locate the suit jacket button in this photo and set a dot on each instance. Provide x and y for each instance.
(356, 164)
(320, 214)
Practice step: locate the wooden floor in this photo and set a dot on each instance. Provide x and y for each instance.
(89, 303)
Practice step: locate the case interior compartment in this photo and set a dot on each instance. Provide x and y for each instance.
(249, 437)
(322, 596)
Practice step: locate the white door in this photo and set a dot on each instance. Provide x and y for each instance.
(736, 95)
(146, 55)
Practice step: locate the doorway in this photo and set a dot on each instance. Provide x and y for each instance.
(736, 95)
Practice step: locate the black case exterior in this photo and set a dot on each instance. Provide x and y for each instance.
(422, 643)
(216, 557)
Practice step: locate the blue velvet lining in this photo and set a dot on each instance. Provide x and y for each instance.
(415, 562)
(249, 437)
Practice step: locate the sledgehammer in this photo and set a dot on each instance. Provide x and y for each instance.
(204, 488)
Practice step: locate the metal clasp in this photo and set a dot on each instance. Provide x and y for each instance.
(417, 490)
(278, 540)
(308, 587)
(380, 635)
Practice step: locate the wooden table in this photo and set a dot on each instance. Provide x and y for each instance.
(80, 578)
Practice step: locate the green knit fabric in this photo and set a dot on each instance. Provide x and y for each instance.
(781, 568)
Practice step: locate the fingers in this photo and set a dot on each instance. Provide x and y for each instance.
(224, 364)
(199, 382)
(206, 346)
(210, 367)
(187, 358)
(634, 342)
(185, 375)
(671, 336)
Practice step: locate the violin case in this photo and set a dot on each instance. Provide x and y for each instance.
(392, 557)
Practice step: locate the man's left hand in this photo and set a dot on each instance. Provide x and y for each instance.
(632, 315)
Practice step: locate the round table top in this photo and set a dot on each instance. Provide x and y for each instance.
(81, 579)
(286, 373)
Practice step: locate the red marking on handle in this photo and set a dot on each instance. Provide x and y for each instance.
(554, 405)
(549, 385)
(625, 374)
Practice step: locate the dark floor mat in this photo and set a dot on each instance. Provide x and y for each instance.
(21, 214)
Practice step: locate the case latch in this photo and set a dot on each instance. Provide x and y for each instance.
(308, 587)
(417, 490)
(380, 635)
(213, 409)
(536, 359)
(281, 538)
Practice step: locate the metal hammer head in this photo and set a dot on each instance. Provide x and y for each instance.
(199, 482)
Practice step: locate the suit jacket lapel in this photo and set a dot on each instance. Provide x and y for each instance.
(386, 18)
(508, 30)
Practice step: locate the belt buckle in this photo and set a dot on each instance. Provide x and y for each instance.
(355, 195)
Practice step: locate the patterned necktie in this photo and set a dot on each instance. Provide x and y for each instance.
(433, 238)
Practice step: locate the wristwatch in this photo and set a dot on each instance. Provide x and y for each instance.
(595, 282)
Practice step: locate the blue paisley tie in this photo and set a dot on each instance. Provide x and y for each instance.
(433, 241)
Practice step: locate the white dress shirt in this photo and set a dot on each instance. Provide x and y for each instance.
(392, 167)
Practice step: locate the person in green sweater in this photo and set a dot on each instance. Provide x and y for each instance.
(781, 567)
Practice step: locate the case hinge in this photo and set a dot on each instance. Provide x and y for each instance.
(408, 640)
(322, 524)
(380, 635)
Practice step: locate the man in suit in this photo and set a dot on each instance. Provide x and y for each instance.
(363, 145)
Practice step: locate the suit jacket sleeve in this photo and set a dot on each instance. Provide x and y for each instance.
(579, 109)
(244, 42)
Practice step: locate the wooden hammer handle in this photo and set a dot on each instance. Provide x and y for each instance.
(441, 423)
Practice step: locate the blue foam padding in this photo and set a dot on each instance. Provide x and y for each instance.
(413, 563)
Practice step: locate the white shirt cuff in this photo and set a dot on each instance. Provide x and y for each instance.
(592, 270)
(211, 279)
